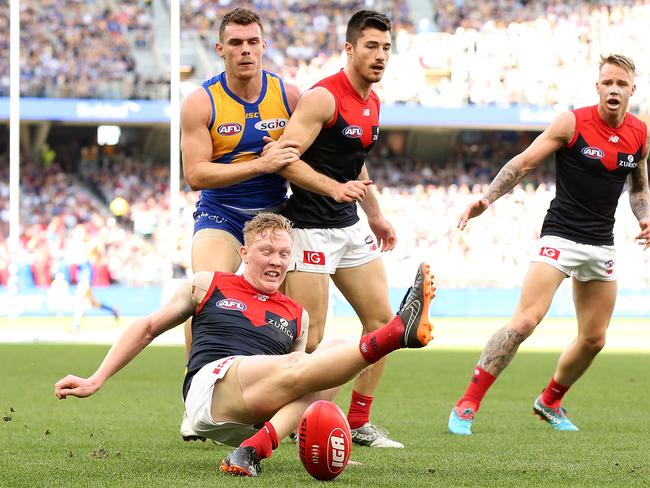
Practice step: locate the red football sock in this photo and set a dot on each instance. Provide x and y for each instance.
(375, 345)
(264, 441)
(478, 386)
(359, 412)
(553, 394)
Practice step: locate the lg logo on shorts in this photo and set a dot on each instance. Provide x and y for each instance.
(549, 252)
(609, 267)
(314, 257)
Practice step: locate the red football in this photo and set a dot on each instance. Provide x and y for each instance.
(324, 440)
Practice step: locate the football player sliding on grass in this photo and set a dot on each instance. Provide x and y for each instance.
(249, 379)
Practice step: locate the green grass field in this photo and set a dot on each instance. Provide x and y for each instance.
(127, 434)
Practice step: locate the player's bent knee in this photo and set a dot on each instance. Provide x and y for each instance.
(525, 324)
(594, 344)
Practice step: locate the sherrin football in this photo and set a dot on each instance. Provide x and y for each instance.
(324, 440)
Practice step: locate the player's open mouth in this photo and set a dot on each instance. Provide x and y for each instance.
(377, 68)
(613, 102)
(272, 274)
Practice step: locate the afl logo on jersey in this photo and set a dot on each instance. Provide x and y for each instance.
(229, 129)
(353, 131)
(271, 124)
(230, 304)
(593, 152)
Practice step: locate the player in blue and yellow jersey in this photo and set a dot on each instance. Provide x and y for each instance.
(229, 130)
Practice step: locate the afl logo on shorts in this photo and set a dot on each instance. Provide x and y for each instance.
(230, 304)
(271, 124)
(549, 252)
(229, 129)
(593, 152)
(353, 131)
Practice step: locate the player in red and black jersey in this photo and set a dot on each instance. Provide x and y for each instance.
(249, 379)
(597, 150)
(336, 123)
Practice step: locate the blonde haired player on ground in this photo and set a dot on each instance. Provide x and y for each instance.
(598, 150)
(249, 379)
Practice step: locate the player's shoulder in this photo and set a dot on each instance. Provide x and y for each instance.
(288, 300)
(197, 104)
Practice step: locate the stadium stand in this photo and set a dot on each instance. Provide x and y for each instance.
(86, 50)
(494, 63)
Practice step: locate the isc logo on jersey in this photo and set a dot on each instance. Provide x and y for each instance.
(593, 152)
(230, 304)
(271, 124)
(353, 131)
(229, 129)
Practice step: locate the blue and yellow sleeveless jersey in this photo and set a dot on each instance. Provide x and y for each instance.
(237, 128)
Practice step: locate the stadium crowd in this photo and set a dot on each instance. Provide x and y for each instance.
(532, 53)
(465, 53)
(84, 49)
(423, 199)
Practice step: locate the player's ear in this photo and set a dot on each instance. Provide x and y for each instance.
(219, 48)
(243, 254)
(348, 48)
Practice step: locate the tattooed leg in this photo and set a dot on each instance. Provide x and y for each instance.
(500, 350)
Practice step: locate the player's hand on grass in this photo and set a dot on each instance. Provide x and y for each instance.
(385, 233)
(277, 154)
(351, 191)
(75, 386)
(474, 209)
(644, 237)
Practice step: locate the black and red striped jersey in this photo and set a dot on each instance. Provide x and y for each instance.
(339, 151)
(235, 319)
(591, 171)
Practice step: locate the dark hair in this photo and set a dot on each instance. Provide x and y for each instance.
(366, 19)
(239, 16)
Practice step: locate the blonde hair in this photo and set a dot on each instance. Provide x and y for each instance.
(265, 221)
(618, 60)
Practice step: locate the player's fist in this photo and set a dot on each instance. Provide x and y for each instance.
(474, 209)
(350, 191)
(277, 154)
(644, 237)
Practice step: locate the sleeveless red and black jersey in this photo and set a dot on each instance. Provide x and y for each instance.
(235, 319)
(339, 152)
(591, 171)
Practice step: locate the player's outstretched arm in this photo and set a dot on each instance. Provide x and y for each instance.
(556, 135)
(315, 108)
(196, 146)
(129, 345)
(640, 196)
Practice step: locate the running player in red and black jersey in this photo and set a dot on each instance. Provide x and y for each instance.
(249, 380)
(336, 123)
(597, 150)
